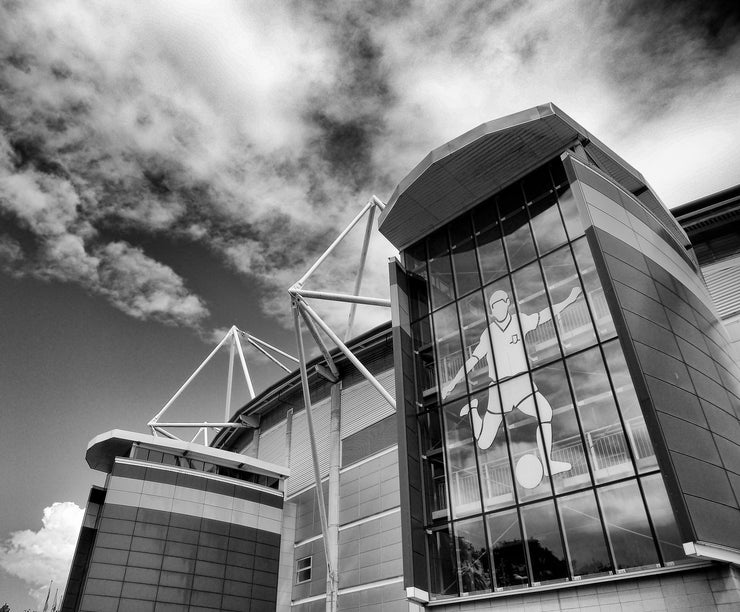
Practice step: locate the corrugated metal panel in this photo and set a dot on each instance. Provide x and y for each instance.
(723, 281)
(272, 445)
(301, 461)
(362, 405)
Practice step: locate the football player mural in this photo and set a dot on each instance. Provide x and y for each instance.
(502, 347)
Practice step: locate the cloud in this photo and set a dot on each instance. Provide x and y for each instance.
(36, 557)
(259, 129)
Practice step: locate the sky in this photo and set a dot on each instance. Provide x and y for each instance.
(169, 168)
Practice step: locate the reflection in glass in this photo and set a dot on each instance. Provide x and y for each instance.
(494, 466)
(518, 238)
(435, 485)
(524, 433)
(537, 184)
(474, 331)
(491, 253)
(440, 269)
(659, 507)
(610, 456)
(634, 421)
(594, 290)
(535, 316)
(544, 543)
(554, 403)
(627, 525)
(450, 358)
(462, 468)
(574, 321)
(583, 533)
(416, 266)
(569, 208)
(505, 542)
(548, 229)
(442, 563)
(426, 379)
(475, 567)
(466, 267)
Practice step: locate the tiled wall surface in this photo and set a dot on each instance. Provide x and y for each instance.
(162, 546)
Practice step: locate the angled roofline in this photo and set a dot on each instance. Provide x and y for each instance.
(514, 144)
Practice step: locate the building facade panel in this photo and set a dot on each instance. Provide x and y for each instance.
(686, 362)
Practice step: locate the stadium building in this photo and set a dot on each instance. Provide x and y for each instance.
(564, 437)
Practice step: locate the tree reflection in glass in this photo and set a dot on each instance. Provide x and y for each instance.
(475, 566)
(505, 542)
(544, 543)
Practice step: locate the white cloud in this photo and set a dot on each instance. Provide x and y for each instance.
(36, 557)
(258, 129)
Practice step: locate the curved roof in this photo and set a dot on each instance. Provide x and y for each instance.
(461, 173)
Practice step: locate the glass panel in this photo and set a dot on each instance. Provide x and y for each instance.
(518, 239)
(610, 457)
(544, 543)
(594, 290)
(494, 465)
(426, 378)
(546, 224)
(443, 568)
(475, 566)
(669, 539)
(515, 224)
(461, 230)
(634, 421)
(491, 253)
(505, 542)
(557, 170)
(435, 486)
(573, 319)
(569, 208)
(535, 317)
(475, 333)
(466, 267)
(416, 268)
(537, 184)
(440, 269)
(450, 358)
(584, 534)
(567, 458)
(520, 410)
(627, 525)
(462, 469)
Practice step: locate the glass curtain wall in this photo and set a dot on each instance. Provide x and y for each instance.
(537, 464)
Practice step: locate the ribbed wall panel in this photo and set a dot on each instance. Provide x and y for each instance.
(301, 460)
(723, 281)
(363, 406)
(272, 445)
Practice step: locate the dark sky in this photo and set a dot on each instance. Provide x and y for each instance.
(169, 170)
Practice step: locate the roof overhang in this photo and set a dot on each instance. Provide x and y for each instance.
(458, 175)
(103, 450)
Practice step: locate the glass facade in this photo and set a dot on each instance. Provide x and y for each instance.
(537, 463)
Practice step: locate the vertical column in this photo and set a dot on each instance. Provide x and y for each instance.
(332, 540)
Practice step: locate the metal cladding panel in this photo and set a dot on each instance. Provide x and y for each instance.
(272, 446)
(301, 459)
(723, 281)
(475, 165)
(363, 406)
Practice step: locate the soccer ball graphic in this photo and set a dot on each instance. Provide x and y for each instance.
(529, 471)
